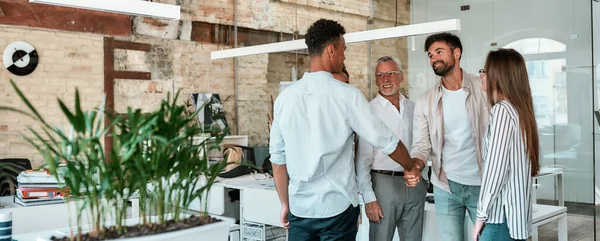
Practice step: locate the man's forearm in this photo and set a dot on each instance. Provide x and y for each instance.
(281, 178)
(420, 163)
(402, 157)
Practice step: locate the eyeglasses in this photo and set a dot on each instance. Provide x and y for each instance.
(387, 74)
(482, 71)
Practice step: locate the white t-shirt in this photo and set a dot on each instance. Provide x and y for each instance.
(458, 153)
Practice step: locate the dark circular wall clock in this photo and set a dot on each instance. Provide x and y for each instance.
(20, 58)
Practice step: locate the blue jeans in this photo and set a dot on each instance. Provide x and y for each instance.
(451, 207)
(496, 232)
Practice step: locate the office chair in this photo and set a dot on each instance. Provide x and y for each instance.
(266, 166)
(247, 165)
(9, 171)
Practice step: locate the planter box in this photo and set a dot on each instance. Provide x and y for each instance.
(218, 231)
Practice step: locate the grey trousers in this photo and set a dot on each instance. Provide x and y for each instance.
(402, 207)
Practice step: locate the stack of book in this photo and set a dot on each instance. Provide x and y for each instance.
(39, 188)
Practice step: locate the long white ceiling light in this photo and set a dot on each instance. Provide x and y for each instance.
(129, 7)
(356, 37)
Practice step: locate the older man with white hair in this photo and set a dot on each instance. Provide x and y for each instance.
(390, 203)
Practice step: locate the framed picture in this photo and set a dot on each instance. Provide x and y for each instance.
(212, 114)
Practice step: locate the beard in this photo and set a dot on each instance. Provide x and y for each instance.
(388, 92)
(443, 69)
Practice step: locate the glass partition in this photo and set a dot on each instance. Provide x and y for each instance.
(596, 94)
(555, 38)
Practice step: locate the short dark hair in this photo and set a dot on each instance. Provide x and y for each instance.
(345, 71)
(452, 40)
(321, 33)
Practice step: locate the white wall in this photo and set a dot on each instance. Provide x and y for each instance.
(506, 21)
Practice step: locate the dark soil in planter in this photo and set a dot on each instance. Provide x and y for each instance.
(150, 229)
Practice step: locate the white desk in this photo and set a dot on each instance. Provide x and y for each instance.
(543, 214)
(259, 203)
(548, 172)
(46, 217)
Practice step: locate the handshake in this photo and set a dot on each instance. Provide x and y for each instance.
(413, 176)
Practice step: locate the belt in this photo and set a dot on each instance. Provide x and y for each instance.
(391, 173)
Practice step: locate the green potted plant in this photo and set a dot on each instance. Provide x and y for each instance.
(153, 158)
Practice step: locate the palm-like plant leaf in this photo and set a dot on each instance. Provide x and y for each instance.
(153, 149)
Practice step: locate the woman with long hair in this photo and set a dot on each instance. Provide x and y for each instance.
(510, 151)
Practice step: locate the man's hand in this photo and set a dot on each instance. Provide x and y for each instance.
(412, 177)
(374, 212)
(284, 216)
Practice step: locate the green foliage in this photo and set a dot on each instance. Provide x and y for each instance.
(154, 155)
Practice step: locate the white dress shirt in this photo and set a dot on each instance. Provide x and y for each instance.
(314, 119)
(400, 122)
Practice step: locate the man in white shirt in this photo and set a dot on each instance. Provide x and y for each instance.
(449, 123)
(390, 204)
(311, 143)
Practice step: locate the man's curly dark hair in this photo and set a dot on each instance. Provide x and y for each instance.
(321, 33)
(452, 40)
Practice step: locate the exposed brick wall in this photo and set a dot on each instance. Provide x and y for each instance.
(280, 66)
(253, 100)
(385, 11)
(67, 61)
(217, 11)
(24, 13)
(279, 15)
(285, 17)
(256, 71)
(175, 65)
(357, 63)
(349, 6)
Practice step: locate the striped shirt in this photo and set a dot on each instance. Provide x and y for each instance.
(506, 184)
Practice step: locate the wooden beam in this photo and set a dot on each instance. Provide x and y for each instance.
(224, 35)
(109, 91)
(23, 13)
(203, 32)
(118, 44)
(110, 44)
(251, 37)
(132, 75)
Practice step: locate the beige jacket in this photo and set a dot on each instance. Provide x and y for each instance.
(428, 125)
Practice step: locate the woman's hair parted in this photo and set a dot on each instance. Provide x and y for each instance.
(507, 76)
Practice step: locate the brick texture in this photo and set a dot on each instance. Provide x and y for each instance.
(70, 60)
(175, 65)
(67, 61)
(385, 10)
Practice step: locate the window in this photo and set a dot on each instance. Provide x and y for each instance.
(536, 69)
(537, 46)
